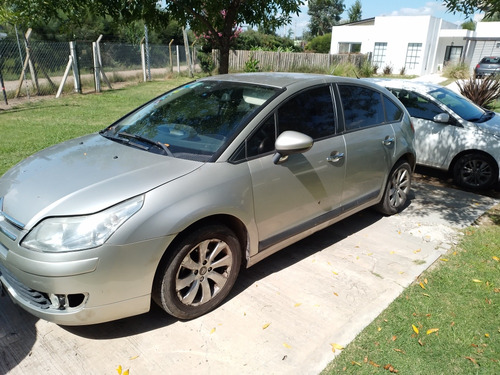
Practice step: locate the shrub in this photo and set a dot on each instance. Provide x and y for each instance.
(345, 70)
(252, 65)
(456, 71)
(402, 71)
(206, 62)
(387, 70)
(366, 69)
(483, 92)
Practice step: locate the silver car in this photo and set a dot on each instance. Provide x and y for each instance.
(451, 132)
(488, 66)
(169, 202)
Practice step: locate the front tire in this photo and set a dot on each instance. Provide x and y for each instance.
(199, 274)
(397, 189)
(475, 172)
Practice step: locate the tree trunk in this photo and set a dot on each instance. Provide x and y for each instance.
(224, 59)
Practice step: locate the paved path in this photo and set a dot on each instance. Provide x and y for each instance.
(284, 313)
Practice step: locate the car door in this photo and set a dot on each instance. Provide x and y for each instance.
(370, 144)
(433, 140)
(304, 190)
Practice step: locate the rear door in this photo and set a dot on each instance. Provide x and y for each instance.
(370, 143)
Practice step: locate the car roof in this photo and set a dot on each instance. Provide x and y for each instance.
(284, 80)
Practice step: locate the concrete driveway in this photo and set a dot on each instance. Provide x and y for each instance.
(284, 313)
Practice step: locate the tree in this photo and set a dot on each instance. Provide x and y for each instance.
(324, 14)
(469, 7)
(216, 20)
(354, 12)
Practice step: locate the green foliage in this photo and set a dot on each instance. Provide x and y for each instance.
(252, 65)
(483, 92)
(256, 40)
(323, 15)
(469, 25)
(366, 69)
(207, 63)
(320, 44)
(387, 70)
(469, 7)
(354, 12)
(456, 71)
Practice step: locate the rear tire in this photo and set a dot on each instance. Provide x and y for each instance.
(475, 172)
(199, 274)
(397, 189)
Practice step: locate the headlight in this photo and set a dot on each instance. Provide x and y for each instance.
(59, 234)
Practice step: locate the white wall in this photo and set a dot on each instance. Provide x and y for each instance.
(398, 32)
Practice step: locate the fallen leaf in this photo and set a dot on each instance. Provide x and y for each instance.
(432, 330)
(394, 338)
(421, 285)
(417, 251)
(443, 259)
(356, 363)
(125, 372)
(425, 294)
(336, 347)
(472, 360)
(425, 281)
(415, 329)
(119, 369)
(487, 335)
(287, 346)
(420, 342)
(266, 325)
(369, 254)
(495, 258)
(212, 331)
(373, 364)
(399, 350)
(476, 281)
(335, 293)
(335, 273)
(134, 357)
(393, 252)
(379, 329)
(297, 304)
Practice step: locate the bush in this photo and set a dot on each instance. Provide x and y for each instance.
(320, 44)
(483, 92)
(387, 70)
(367, 69)
(252, 65)
(206, 62)
(345, 70)
(456, 71)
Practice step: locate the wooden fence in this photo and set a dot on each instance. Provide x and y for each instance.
(288, 61)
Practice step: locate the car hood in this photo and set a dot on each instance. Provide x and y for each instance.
(82, 176)
(492, 126)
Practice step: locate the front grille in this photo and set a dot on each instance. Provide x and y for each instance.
(38, 299)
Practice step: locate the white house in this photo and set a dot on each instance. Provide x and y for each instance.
(418, 44)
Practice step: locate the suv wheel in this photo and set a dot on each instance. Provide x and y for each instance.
(475, 172)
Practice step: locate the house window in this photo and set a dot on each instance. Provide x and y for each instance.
(349, 47)
(379, 52)
(413, 55)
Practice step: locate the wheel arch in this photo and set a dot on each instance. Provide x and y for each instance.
(471, 152)
(229, 221)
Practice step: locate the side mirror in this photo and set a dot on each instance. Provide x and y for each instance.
(442, 118)
(291, 142)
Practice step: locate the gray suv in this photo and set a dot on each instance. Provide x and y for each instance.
(169, 202)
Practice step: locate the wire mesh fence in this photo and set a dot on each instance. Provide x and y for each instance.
(38, 68)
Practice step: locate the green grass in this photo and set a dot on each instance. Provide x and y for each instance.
(34, 126)
(457, 317)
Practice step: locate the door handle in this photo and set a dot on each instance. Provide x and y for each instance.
(388, 141)
(335, 157)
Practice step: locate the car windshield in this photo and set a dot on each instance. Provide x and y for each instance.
(194, 121)
(458, 104)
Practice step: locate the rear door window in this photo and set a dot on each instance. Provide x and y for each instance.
(362, 107)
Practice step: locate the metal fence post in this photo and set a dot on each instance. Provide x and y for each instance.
(97, 69)
(178, 59)
(143, 60)
(76, 72)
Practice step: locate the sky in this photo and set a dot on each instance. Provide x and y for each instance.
(375, 8)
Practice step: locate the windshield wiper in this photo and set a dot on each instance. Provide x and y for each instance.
(141, 138)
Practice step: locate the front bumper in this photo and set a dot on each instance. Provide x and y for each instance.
(84, 287)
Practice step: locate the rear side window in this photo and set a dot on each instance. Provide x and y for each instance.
(362, 106)
(392, 111)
